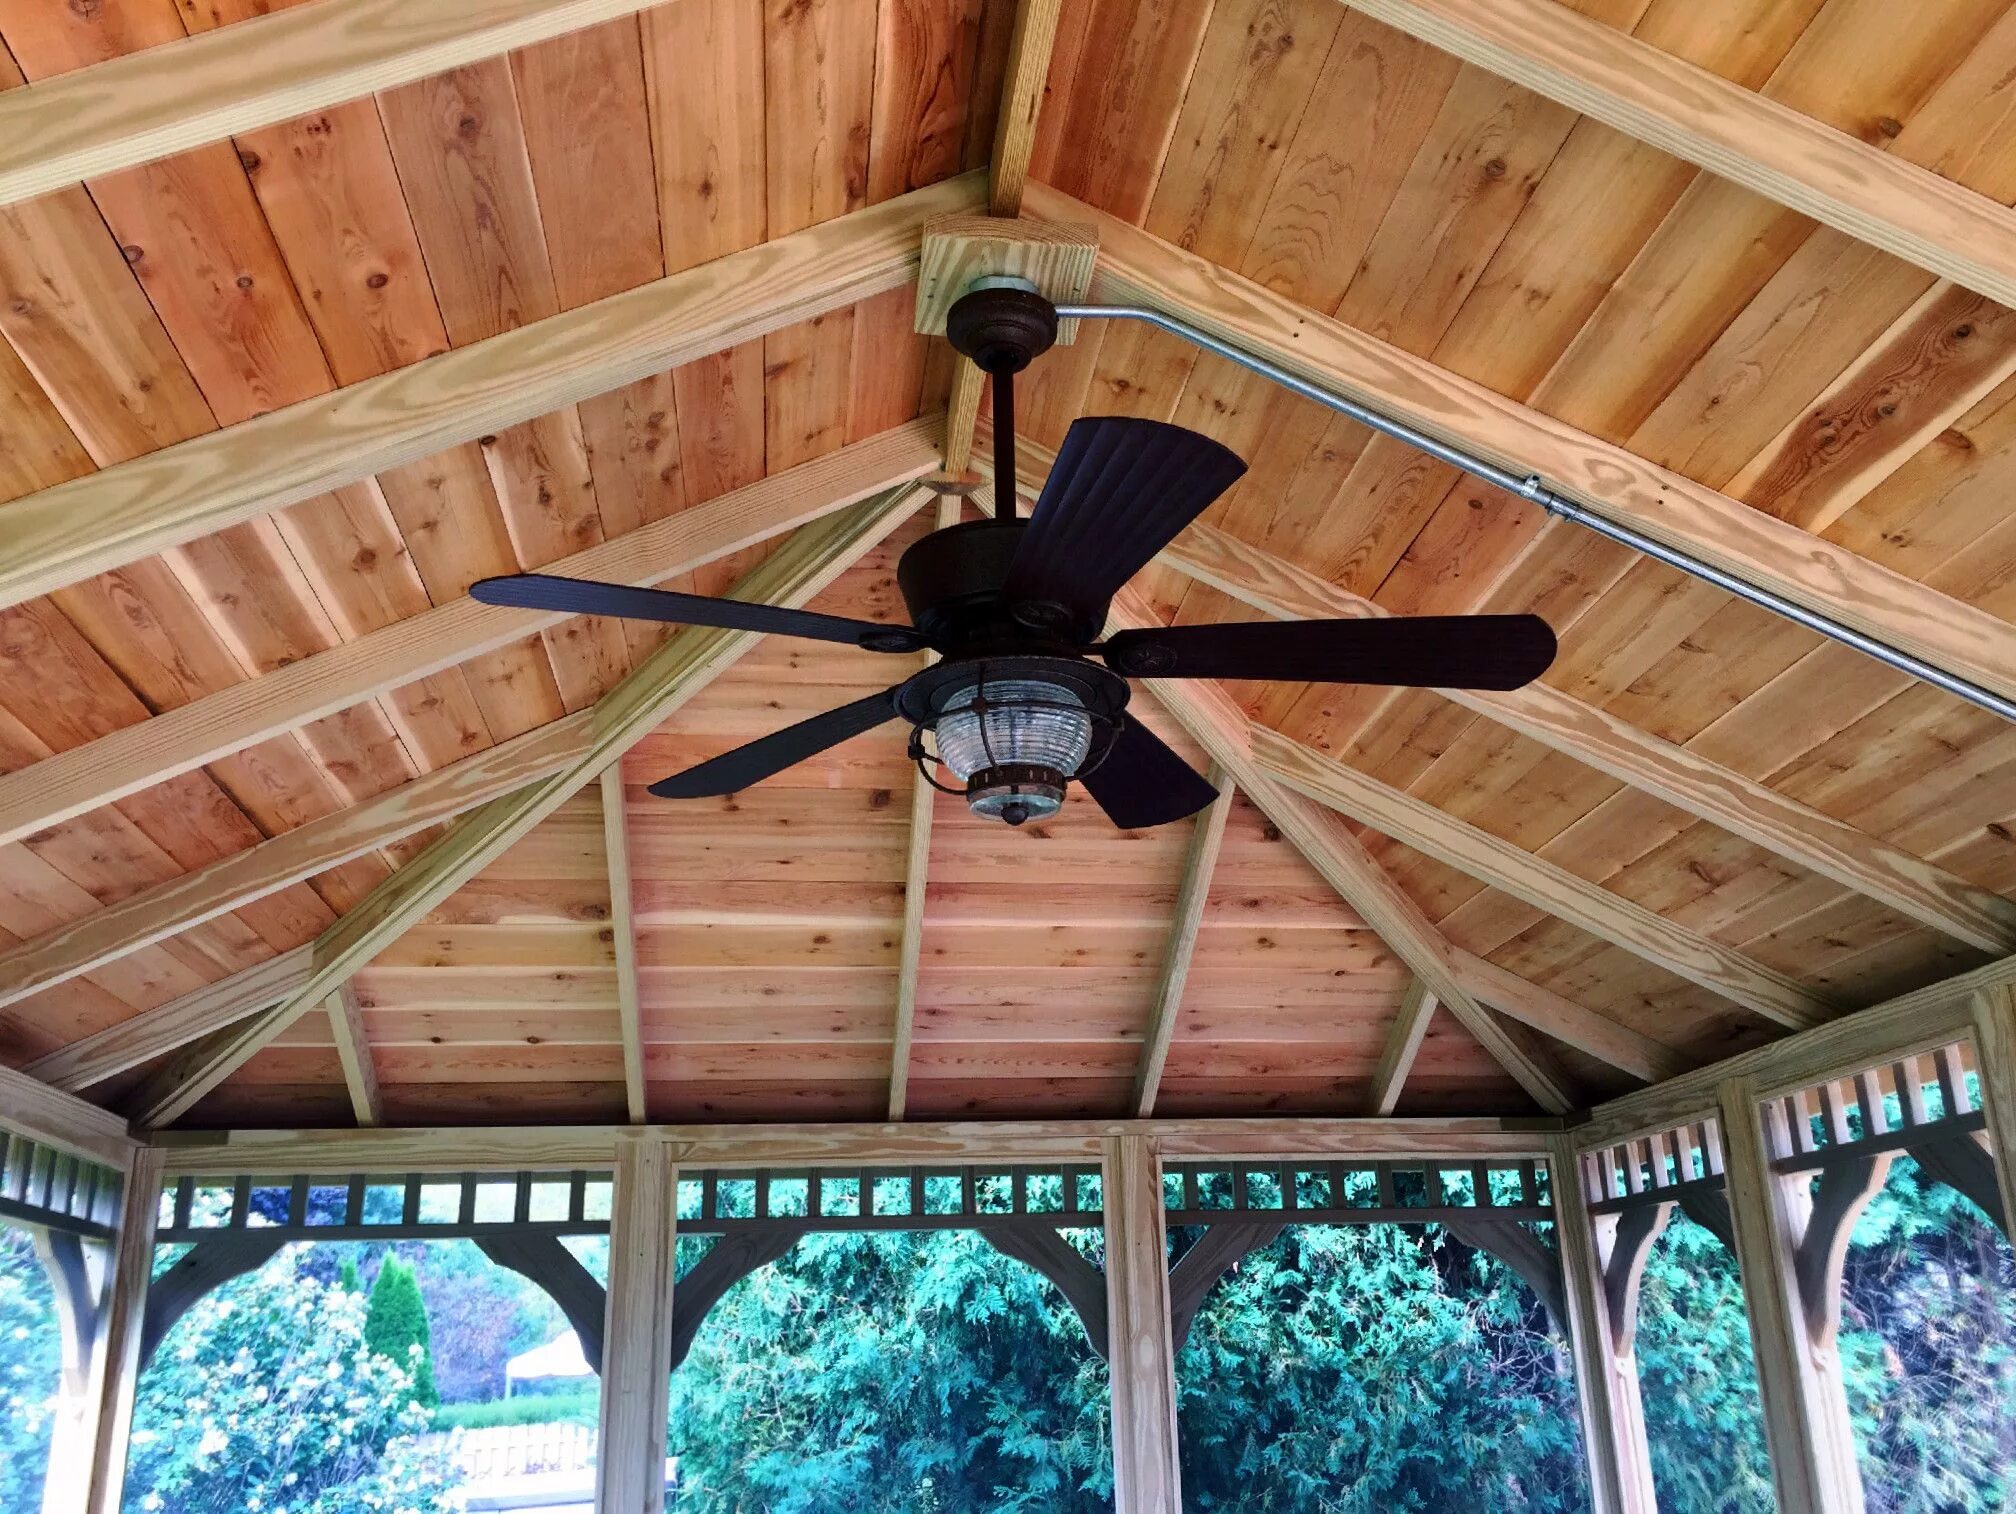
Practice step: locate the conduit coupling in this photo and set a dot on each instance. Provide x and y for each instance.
(1533, 488)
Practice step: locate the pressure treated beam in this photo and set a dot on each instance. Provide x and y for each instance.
(623, 929)
(225, 477)
(179, 903)
(1200, 861)
(1913, 887)
(167, 1027)
(1136, 268)
(1141, 1351)
(1403, 1044)
(916, 870)
(1008, 172)
(163, 100)
(1320, 835)
(637, 1354)
(1540, 883)
(353, 1050)
(176, 741)
(50, 1117)
(1594, 1035)
(1734, 133)
(671, 675)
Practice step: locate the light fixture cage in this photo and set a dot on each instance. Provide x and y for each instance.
(1014, 743)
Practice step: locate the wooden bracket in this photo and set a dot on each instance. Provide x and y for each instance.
(1844, 1192)
(206, 1265)
(1056, 257)
(1197, 1271)
(1963, 1164)
(1537, 1264)
(547, 1262)
(1058, 1260)
(731, 1259)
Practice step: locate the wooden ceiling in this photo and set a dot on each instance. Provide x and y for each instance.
(1298, 144)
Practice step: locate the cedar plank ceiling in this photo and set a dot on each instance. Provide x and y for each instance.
(1293, 141)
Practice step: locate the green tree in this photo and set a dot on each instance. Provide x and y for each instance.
(346, 1276)
(396, 1326)
(30, 1368)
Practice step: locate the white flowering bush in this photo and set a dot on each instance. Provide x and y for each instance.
(265, 1399)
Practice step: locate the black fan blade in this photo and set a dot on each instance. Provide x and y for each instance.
(1120, 491)
(1142, 783)
(581, 596)
(754, 761)
(1421, 651)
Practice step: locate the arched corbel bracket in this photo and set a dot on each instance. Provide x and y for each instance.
(208, 1264)
(731, 1259)
(1198, 1270)
(547, 1262)
(1537, 1264)
(1963, 1164)
(1042, 1248)
(1844, 1191)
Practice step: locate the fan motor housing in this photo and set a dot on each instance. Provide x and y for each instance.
(954, 582)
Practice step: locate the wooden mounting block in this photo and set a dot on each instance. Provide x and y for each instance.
(1056, 257)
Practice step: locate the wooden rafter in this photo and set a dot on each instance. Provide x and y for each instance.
(162, 100)
(1200, 861)
(1136, 268)
(353, 1050)
(223, 478)
(673, 674)
(176, 741)
(1540, 883)
(623, 937)
(47, 1115)
(1403, 1044)
(1619, 1046)
(179, 903)
(916, 867)
(1222, 729)
(1007, 175)
(158, 1031)
(1734, 133)
(1797, 832)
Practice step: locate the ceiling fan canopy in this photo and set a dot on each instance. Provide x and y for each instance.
(1026, 697)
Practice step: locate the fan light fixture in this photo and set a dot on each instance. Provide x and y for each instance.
(1014, 744)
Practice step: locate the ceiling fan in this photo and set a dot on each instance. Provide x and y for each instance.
(1018, 706)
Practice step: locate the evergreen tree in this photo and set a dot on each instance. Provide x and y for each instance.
(346, 1276)
(397, 1323)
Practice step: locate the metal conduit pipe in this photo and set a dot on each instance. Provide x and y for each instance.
(1533, 488)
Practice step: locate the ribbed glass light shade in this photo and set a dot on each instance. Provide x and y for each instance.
(1010, 731)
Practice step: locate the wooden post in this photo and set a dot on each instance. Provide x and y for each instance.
(637, 1331)
(1606, 1363)
(1145, 1475)
(1995, 1062)
(1798, 1376)
(116, 1364)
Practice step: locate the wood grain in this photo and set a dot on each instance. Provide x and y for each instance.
(1140, 1346)
(160, 100)
(1732, 132)
(637, 1355)
(137, 756)
(1200, 861)
(353, 1050)
(623, 927)
(1403, 1045)
(51, 1117)
(197, 487)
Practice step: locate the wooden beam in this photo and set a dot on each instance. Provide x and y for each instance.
(51, 1117)
(1543, 884)
(1993, 1012)
(916, 867)
(1913, 887)
(156, 1032)
(1734, 133)
(223, 478)
(177, 741)
(1200, 861)
(1912, 1023)
(178, 903)
(117, 1370)
(559, 1148)
(1614, 1441)
(1140, 1345)
(1021, 99)
(353, 1050)
(623, 929)
(163, 100)
(1403, 1044)
(1222, 729)
(680, 668)
(637, 1333)
(1136, 268)
(1798, 1379)
(1007, 174)
(1594, 1035)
